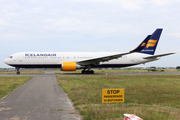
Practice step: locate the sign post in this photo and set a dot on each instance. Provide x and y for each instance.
(112, 95)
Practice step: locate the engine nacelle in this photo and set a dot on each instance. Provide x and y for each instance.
(70, 66)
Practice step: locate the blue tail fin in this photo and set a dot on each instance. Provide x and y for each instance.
(151, 44)
(142, 45)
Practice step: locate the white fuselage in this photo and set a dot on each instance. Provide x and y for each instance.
(55, 59)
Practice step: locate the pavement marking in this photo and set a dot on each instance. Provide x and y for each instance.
(2, 109)
(49, 72)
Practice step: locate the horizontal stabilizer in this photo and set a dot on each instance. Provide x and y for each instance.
(156, 56)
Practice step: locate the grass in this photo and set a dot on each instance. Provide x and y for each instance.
(8, 84)
(148, 96)
(121, 71)
(28, 71)
(34, 71)
(104, 71)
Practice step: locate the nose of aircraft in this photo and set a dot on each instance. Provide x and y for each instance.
(6, 61)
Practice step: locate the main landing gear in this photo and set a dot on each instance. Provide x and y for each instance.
(87, 72)
(17, 71)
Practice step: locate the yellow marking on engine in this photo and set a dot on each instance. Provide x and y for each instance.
(69, 66)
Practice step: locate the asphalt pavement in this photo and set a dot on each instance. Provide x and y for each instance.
(41, 98)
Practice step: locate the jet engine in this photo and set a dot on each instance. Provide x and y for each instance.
(70, 66)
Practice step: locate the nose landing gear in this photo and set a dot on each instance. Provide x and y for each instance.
(17, 71)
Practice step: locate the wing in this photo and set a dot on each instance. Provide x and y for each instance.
(97, 60)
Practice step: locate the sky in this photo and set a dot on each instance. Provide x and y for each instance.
(89, 26)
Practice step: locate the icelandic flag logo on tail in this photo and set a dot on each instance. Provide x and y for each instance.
(151, 44)
(143, 44)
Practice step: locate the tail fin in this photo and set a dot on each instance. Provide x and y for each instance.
(151, 44)
(142, 45)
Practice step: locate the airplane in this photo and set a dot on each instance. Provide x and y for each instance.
(71, 61)
(149, 68)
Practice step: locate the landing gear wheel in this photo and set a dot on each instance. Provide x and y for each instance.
(87, 72)
(91, 72)
(17, 69)
(83, 71)
(17, 72)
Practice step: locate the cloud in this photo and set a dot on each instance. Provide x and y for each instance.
(13, 37)
(131, 4)
(125, 4)
(96, 1)
(35, 10)
(161, 2)
(175, 34)
(87, 22)
(3, 22)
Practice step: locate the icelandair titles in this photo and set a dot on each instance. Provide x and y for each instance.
(148, 50)
(39, 55)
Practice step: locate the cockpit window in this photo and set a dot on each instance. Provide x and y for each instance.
(10, 56)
